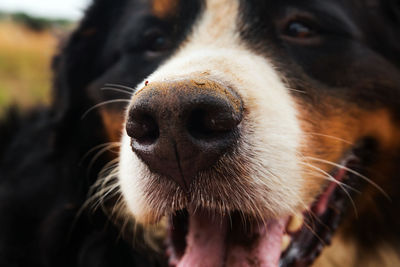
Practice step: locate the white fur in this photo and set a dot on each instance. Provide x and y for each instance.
(270, 129)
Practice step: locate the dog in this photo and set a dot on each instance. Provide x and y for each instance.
(212, 133)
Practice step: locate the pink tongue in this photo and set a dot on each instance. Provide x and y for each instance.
(207, 244)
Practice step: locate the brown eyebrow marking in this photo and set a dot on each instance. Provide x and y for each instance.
(164, 8)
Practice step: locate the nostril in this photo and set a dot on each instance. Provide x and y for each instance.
(143, 129)
(211, 123)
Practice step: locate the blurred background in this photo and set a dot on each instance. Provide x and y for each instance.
(30, 31)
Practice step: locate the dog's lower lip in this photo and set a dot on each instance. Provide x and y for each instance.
(299, 244)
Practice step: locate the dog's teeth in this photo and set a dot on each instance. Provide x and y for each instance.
(286, 239)
(295, 223)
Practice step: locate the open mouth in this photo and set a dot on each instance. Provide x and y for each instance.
(203, 238)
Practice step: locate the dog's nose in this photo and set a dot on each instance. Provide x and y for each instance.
(183, 127)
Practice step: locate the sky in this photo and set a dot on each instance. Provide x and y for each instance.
(67, 9)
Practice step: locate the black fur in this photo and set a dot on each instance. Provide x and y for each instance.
(44, 179)
(43, 184)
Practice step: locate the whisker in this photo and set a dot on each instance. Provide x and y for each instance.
(305, 206)
(105, 194)
(331, 136)
(95, 148)
(104, 103)
(108, 168)
(323, 176)
(100, 192)
(296, 90)
(120, 86)
(117, 90)
(313, 217)
(353, 172)
(311, 229)
(341, 185)
(117, 208)
(99, 188)
(101, 152)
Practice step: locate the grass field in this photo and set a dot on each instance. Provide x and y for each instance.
(25, 58)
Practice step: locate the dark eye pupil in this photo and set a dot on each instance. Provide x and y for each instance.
(159, 43)
(299, 30)
(156, 41)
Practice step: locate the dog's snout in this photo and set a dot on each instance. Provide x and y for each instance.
(180, 128)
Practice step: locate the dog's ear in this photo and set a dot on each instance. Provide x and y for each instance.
(76, 64)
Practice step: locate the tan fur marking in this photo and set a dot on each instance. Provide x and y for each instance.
(113, 122)
(331, 131)
(164, 8)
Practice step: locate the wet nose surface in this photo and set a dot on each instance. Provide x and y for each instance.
(179, 128)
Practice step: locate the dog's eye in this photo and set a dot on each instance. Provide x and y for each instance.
(299, 29)
(156, 41)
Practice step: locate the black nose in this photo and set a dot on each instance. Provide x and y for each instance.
(181, 128)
